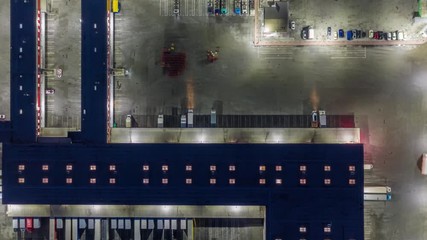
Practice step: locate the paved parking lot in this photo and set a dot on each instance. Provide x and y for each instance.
(389, 15)
(347, 15)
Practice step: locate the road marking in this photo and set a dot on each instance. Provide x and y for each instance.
(348, 57)
(267, 56)
(274, 54)
(348, 53)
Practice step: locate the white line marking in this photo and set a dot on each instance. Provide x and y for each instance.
(278, 58)
(348, 57)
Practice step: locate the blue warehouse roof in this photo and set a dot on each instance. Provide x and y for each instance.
(311, 184)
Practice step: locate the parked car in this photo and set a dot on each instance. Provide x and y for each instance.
(400, 35)
(335, 35)
(304, 34)
(386, 37)
(371, 33)
(292, 25)
(380, 35)
(329, 32)
(341, 33)
(349, 35)
(393, 36)
(354, 34)
(50, 91)
(363, 34)
(389, 36)
(358, 34)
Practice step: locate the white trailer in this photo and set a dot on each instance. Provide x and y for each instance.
(190, 118)
(322, 118)
(424, 164)
(377, 189)
(160, 121)
(377, 197)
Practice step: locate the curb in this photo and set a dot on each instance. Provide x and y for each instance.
(342, 43)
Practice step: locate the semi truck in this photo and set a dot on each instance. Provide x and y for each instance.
(244, 6)
(377, 189)
(237, 6)
(213, 118)
(217, 7)
(183, 121)
(129, 121)
(377, 197)
(223, 7)
(115, 6)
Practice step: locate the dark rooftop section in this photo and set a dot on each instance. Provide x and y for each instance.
(276, 17)
(294, 193)
(94, 71)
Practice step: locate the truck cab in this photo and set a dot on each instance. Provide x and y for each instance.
(115, 6)
(183, 121)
